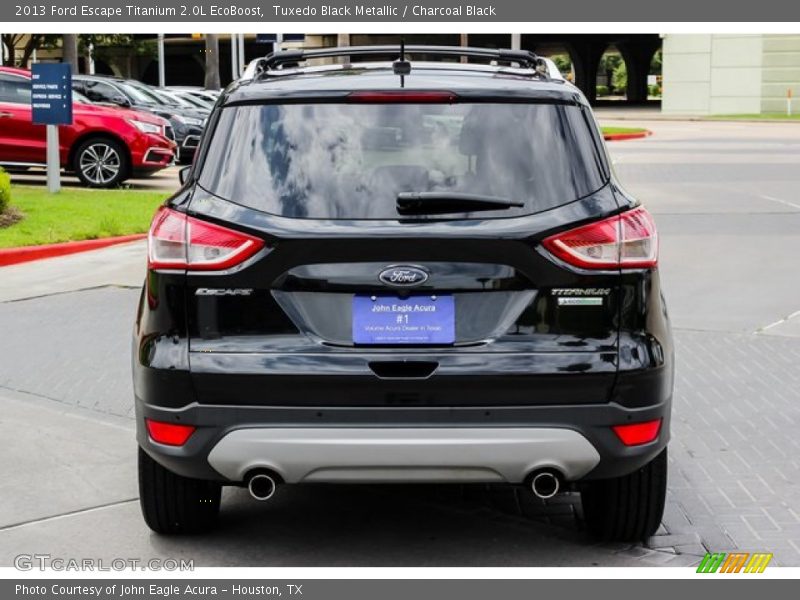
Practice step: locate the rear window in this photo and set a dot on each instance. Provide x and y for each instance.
(350, 161)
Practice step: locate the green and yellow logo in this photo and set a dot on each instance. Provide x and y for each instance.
(734, 562)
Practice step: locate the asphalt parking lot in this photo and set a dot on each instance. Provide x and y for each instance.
(166, 179)
(725, 197)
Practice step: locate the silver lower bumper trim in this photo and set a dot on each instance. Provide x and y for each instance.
(350, 455)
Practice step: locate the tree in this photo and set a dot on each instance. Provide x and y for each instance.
(120, 49)
(563, 62)
(609, 62)
(656, 63)
(212, 61)
(620, 78)
(34, 42)
(70, 51)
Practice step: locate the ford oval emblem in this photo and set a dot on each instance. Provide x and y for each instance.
(403, 276)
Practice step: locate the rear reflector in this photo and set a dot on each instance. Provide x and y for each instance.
(177, 241)
(406, 96)
(628, 241)
(171, 434)
(635, 434)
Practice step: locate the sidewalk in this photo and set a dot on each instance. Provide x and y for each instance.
(122, 266)
(649, 113)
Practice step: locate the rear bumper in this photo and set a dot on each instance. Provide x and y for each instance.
(380, 444)
(350, 455)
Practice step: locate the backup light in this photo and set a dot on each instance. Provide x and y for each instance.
(178, 241)
(628, 241)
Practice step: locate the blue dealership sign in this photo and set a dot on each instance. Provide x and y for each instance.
(51, 93)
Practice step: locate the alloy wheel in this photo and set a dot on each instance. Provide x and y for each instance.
(100, 163)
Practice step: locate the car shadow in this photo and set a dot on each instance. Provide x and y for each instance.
(392, 525)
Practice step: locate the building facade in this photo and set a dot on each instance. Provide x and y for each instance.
(730, 74)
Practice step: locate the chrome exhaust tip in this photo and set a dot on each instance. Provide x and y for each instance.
(261, 486)
(545, 484)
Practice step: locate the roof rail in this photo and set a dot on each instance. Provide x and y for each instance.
(276, 60)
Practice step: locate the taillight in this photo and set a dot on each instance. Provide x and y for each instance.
(406, 96)
(178, 241)
(635, 434)
(170, 434)
(628, 241)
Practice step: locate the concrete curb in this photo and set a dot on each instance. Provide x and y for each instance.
(618, 137)
(12, 256)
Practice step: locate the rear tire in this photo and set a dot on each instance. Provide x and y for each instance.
(174, 504)
(629, 508)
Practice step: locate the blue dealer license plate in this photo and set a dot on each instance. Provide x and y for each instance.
(412, 320)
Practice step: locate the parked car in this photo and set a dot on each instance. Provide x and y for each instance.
(209, 96)
(104, 146)
(169, 98)
(403, 272)
(187, 124)
(190, 114)
(201, 102)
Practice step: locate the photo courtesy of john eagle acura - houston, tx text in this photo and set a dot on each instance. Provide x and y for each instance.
(403, 271)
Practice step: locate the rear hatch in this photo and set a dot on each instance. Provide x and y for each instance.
(402, 263)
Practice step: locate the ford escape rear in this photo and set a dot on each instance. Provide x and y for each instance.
(403, 271)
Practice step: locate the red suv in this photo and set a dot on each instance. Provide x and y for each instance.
(104, 146)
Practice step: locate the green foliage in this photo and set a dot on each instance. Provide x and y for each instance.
(563, 63)
(620, 78)
(653, 90)
(108, 46)
(609, 62)
(656, 63)
(14, 56)
(5, 190)
(602, 90)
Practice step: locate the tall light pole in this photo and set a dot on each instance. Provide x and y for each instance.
(212, 62)
(161, 67)
(242, 61)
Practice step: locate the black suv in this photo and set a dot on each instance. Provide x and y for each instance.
(403, 271)
(186, 123)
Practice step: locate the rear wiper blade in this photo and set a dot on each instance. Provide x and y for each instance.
(436, 203)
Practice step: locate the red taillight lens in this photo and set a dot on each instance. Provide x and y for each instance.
(406, 96)
(171, 434)
(628, 241)
(177, 241)
(635, 434)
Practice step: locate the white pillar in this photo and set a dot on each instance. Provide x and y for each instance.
(276, 45)
(343, 41)
(516, 41)
(242, 62)
(161, 70)
(91, 59)
(234, 59)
